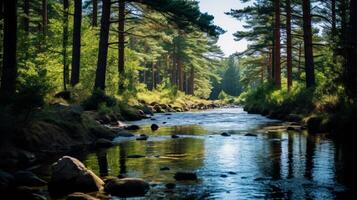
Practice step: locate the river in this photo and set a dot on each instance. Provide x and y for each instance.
(270, 165)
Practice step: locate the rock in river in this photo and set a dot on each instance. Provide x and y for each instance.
(132, 127)
(126, 187)
(70, 175)
(154, 127)
(251, 135)
(183, 176)
(225, 134)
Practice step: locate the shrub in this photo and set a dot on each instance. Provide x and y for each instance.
(98, 97)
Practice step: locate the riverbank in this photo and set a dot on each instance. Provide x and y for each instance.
(319, 113)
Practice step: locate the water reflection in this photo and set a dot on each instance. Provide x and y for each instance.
(281, 165)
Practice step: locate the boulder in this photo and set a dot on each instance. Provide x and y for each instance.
(164, 168)
(70, 175)
(158, 109)
(80, 196)
(27, 178)
(185, 176)
(154, 127)
(126, 187)
(225, 134)
(103, 143)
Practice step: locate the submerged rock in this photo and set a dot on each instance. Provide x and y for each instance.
(70, 175)
(182, 176)
(126, 187)
(251, 135)
(80, 196)
(170, 186)
(164, 168)
(225, 134)
(142, 137)
(132, 127)
(124, 133)
(175, 136)
(154, 127)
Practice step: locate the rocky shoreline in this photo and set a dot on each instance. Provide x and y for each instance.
(65, 130)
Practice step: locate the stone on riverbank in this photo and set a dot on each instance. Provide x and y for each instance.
(70, 175)
(126, 187)
(154, 127)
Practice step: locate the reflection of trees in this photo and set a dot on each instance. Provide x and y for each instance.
(290, 156)
(102, 162)
(309, 156)
(122, 158)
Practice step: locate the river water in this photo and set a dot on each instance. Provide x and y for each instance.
(273, 165)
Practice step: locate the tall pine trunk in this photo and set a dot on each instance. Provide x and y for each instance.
(9, 68)
(351, 62)
(153, 77)
(289, 62)
(180, 74)
(45, 16)
(65, 44)
(95, 13)
(191, 87)
(121, 44)
(277, 67)
(309, 57)
(103, 46)
(76, 52)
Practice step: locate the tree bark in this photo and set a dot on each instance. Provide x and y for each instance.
(309, 57)
(9, 68)
(277, 67)
(153, 69)
(180, 74)
(351, 62)
(121, 44)
(192, 81)
(289, 63)
(103, 46)
(95, 13)
(65, 44)
(76, 52)
(45, 16)
(26, 17)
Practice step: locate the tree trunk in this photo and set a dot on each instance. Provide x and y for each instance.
(65, 44)
(333, 30)
(26, 17)
(192, 81)
(153, 82)
(95, 13)
(309, 57)
(351, 65)
(103, 46)
(9, 68)
(289, 62)
(121, 44)
(180, 74)
(45, 16)
(277, 68)
(76, 52)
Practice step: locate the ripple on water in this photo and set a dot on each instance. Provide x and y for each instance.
(275, 165)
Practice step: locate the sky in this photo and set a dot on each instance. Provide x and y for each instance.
(217, 8)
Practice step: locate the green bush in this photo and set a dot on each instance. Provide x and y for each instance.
(98, 97)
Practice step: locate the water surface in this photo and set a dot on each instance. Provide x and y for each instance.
(274, 165)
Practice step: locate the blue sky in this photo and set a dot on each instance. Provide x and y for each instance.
(217, 8)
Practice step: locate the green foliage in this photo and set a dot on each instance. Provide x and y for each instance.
(96, 99)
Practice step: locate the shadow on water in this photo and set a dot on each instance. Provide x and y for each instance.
(279, 165)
